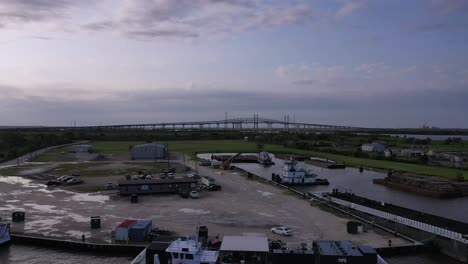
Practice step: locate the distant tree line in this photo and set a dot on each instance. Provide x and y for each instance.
(14, 144)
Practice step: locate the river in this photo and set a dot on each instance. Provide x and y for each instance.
(15, 254)
(350, 179)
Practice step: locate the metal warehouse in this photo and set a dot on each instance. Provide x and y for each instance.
(149, 151)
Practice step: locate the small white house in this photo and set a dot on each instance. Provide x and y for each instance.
(373, 147)
(411, 153)
(390, 153)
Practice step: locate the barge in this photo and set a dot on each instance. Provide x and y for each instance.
(425, 185)
(449, 235)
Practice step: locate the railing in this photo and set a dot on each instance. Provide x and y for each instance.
(402, 220)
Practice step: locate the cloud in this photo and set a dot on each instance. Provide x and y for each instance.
(145, 106)
(350, 7)
(281, 71)
(30, 11)
(445, 26)
(449, 7)
(305, 82)
(193, 18)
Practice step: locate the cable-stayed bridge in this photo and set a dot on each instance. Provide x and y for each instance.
(251, 123)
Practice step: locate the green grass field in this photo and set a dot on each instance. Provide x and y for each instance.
(14, 170)
(213, 146)
(50, 155)
(208, 146)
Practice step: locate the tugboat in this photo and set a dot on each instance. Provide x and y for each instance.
(4, 233)
(190, 251)
(293, 174)
(265, 158)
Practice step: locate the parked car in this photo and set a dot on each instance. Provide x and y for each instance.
(194, 194)
(281, 230)
(170, 175)
(64, 178)
(74, 181)
(195, 176)
(149, 177)
(184, 193)
(110, 186)
(135, 177)
(213, 187)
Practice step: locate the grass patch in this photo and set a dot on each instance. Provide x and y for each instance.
(50, 155)
(15, 170)
(193, 147)
(213, 146)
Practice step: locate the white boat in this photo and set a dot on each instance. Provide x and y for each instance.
(4, 233)
(294, 174)
(190, 251)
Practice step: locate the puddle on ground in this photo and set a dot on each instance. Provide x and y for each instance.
(267, 194)
(44, 208)
(78, 218)
(193, 211)
(85, 197)
(265, 214)
(39, 226)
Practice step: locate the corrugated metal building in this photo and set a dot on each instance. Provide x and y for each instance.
(373, 147)
(127, 187)
(149, 151)
(122, 230)
(140, 231)
(82, 148)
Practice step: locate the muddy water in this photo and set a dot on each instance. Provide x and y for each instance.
(351, 179)
(34, 255)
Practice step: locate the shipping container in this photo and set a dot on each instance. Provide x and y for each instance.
(122, 230)
(140, 231)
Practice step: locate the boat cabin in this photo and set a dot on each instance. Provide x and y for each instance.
(190, 251)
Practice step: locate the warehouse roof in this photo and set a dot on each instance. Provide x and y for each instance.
(245, 243)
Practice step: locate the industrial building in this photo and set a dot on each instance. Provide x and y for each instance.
(128, 187)
(373, 147)
(82, 148)
(149, 151)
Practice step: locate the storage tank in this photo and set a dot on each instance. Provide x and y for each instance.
(140, 231)
(122, 230)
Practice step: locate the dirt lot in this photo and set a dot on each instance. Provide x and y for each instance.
(243, 206)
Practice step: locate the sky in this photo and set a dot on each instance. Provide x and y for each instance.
(367, 63)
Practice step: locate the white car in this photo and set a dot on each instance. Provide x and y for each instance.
(281, 230)
(194, 195)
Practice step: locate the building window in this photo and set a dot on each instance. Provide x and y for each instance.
(188, 256)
